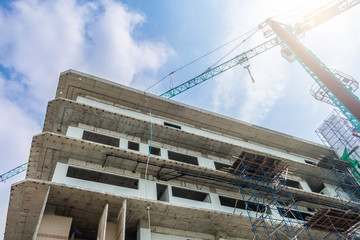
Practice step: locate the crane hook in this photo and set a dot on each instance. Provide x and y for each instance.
(247, 67)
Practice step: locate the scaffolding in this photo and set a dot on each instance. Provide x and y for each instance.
(338, 133)
(345, 79)
(271, 208)
(342, 223)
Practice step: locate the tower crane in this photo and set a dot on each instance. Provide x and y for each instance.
(341, 96)
(287, 36)
(13, 172)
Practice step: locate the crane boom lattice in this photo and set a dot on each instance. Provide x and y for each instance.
(210, 73)
(13, 172)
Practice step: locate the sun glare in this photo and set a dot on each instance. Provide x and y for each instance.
(292, 11)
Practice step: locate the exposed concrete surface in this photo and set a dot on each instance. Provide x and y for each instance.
(70, 86)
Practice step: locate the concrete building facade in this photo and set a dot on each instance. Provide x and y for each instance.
(116, 163)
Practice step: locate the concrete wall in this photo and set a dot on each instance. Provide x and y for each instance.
(159, 236)
(54, 227)
(77, 132)
(192, 130)
(146, 189)
(213, 204)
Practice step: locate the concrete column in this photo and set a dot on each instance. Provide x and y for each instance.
(305, 186)
(144, 148)
(74, 132)
(143, 232)
(205, 162)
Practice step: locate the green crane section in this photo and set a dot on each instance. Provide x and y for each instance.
(13, 172)
(342, 97)
(354, 164)
(212, 72)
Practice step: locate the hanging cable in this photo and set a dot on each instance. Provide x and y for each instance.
(147, 162)
(232, 50)
(197, 89)
(197, 59)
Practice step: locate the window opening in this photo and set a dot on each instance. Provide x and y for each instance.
(292, 183)
(183, 158)
(256, 208)
(230, 202)
(317, 188)
(99, 138)
(293, 214)
(221, 166)
(155, 151)
(133, 146)
(101, 177)
(310, 162)
(160, 190)
(190, 194)
(172, 125)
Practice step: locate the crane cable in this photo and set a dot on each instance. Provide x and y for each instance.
(197, 59)
(209, 68)
(257, 28)
(232, 50)
(275, 16)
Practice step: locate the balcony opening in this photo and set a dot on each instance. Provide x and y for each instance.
(172, 125)
(183, 158)
(101, 177)
(133, 146)
(99, 138)
(190, 194)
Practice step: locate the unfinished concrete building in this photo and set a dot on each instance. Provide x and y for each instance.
(116, 163)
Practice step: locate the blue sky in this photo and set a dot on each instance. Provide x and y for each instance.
(137, 42)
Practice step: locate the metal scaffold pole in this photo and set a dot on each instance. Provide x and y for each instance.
(342, 224)
(270, 206)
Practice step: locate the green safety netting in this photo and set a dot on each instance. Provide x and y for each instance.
(354, 164)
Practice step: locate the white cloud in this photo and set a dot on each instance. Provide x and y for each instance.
(251, 102)
(114, 52)
(16, 131)
(39, 39)
(43, 38)
(268, 88)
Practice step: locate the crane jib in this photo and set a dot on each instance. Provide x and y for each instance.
(212, 72)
